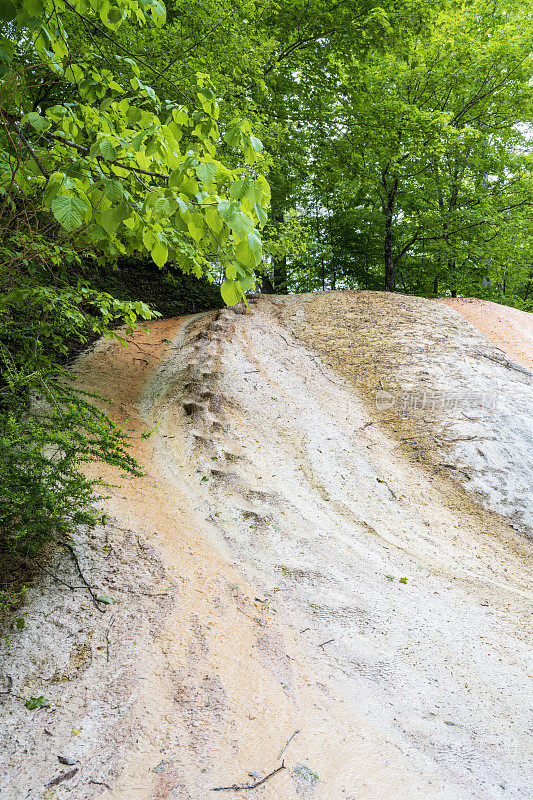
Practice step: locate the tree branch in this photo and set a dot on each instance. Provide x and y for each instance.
(29, 148)
(125, 50)
(13, 120)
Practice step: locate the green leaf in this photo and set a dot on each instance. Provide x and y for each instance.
(114, 16)
(107, 150)
(189, 186)
(34, 7)
(214, 220)
(231, 292)
(164, 207)
(247, 283)
(196, 226)
(69, 211)
(240, 224)
(261, 214)
(114, 191)
(174, 179)
(150, 239)
(54, 184)
(134, 115)
(159, 13)
(262, 191)
(231, 271)
(180, 116)
(245, 256)
(207, 172)
(8, 11)
(110, 221)
(256, 143)
(160, 254)
(254, 243)
(7, 48)
(306, 773)
(239, 188)
(37, 122)
(36, 702)
(152, 146)
(233, 136)
(207, 93)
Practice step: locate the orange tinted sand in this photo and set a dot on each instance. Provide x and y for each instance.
(509, 328)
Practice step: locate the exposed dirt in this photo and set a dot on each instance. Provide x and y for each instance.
(509, 328)
(291, 562)
(450, 398)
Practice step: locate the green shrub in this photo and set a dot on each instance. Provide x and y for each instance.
(44, 492)
(48, 427)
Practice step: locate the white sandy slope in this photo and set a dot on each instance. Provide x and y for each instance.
(257, 572)
(493, 438)
(325, 517)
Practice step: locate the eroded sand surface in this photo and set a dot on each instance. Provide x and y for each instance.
(295, 559)
(509, 328)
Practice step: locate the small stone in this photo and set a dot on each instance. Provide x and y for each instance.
(68, 761)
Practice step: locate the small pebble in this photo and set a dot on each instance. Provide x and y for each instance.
(68, 761)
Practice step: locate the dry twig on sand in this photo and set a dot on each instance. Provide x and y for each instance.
(237, 788)
(289, 740)
(93, 594)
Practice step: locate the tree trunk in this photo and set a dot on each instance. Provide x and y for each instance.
(453, 277)
(319, 240)
(388, 210)
(389, 262)
(333, 279)
(266, 283)
(280, 276)
(280, 267)
(436, 286)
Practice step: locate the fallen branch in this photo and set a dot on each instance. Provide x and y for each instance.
(94, 597)
(101, 783)
(51, 574)
(287, 341)
(138, 346)
(289, 740)
(236, 788)
(108, 644)
(65, 776)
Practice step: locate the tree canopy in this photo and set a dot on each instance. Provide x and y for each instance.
(418, 155)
